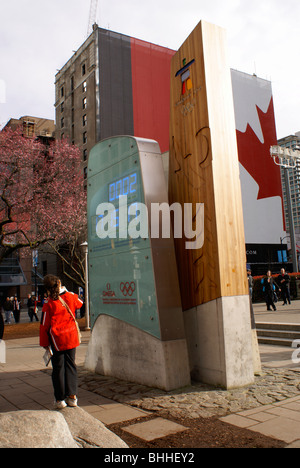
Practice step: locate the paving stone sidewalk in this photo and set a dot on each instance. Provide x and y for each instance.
(270, 406)
(198, 400)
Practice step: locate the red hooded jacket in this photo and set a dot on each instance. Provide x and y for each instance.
(57, 326)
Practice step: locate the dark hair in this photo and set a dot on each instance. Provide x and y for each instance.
(52, 284)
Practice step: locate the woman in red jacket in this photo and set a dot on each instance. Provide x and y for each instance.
(59, 332)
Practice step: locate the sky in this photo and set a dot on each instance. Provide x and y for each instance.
(37, 37)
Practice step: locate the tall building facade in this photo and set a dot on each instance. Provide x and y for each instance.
(119, 85)
(113, 85)
(292, 142)
(75, 103)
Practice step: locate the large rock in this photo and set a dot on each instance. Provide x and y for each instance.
(89, 432)
(35, 429)
(68, 428)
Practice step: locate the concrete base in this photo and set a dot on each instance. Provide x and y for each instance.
(2, 352)
(123, 351)
(256, 356)
(219, 339)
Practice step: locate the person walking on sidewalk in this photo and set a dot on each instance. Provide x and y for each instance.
(269, 287)
(16, 311)
(59, 332)
(30, 307)
(8, 308)
(284, 286)
(35, 308)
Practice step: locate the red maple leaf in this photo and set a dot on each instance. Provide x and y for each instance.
(255, 156)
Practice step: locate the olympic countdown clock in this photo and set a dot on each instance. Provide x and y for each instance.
(133, 282)
(120, 268)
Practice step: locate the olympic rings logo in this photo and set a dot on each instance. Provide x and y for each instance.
(127, 289)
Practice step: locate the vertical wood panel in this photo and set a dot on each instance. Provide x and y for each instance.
(204, 168)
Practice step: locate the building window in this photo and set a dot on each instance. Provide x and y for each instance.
(72, 83)
(62, 107)
(28, 129)
(62, 122)
(83, 70)
(85, 154)
(84, 101)
(85, 173)
(84, 137)
(84, 87)
(62, 91)
(84, 120)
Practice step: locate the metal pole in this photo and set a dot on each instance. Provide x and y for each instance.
(291, 220)
(35, 282)
(281, 242)
(87, 309)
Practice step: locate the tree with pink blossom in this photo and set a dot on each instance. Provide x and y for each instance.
(42, 199)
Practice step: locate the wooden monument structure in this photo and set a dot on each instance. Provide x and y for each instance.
(204, 169)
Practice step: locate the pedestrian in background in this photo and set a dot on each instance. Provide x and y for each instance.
(283, 281)
(269, 288)
(45, 298)
(30, 307)
(35, 308)
(16, 309)
(250, 283)
(82, 310)
(8, 309)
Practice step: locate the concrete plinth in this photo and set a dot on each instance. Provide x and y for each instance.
(220, 342)
(126, 352)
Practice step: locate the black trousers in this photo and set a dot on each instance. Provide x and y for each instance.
(17, 315)
(64, 375)
(270, 300)
(285, 295)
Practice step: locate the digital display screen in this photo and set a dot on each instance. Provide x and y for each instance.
(128, 187)
(125, 186)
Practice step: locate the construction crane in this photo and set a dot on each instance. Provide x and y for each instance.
(92, 16)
